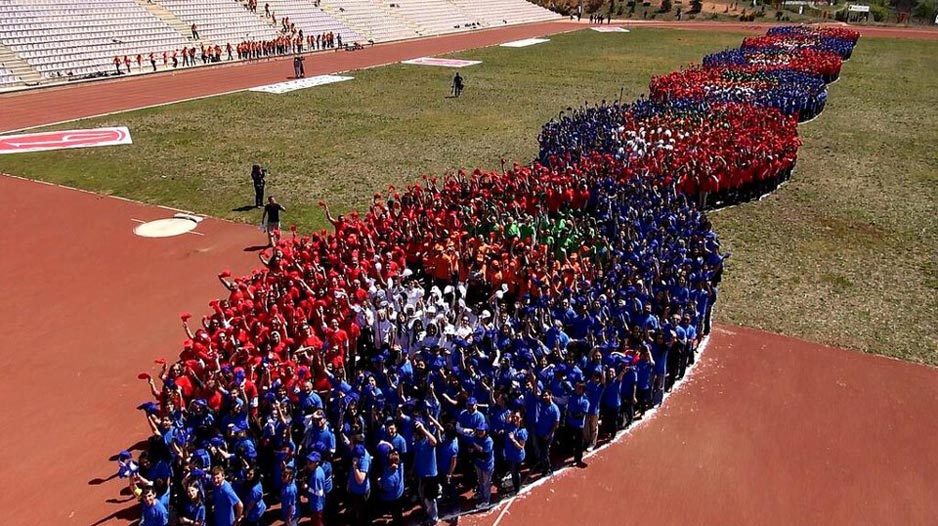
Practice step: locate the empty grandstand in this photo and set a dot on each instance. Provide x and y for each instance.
(63, 39)
(48, 41)
(221, 21)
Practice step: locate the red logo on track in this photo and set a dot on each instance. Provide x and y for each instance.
(36, 142)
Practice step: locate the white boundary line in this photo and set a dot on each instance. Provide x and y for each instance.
(648, 417)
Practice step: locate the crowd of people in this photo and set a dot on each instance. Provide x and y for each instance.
(466, 333)
(717, 153)
(842, 47)
(819, 62)
(791, 91)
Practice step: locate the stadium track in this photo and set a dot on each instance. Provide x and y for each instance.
(769, 430)
(28, 109)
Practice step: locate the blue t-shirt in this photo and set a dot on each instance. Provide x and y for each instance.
(155, 515)
(224, 500)
(512, 453)
(643, 371)
(289, 504)
(547, 416)
(486, 458)
(194, 511)
(446, 451)
(424, 458)
(612, 396)
(594, 392)
(355, 488)
(317, 490)
(255, 494)
(577, 408)
(391, 486)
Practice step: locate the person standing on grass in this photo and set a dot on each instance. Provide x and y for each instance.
(259, 178)
(457, 85)
(271, 220)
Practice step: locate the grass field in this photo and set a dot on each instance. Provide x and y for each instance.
(845, 254)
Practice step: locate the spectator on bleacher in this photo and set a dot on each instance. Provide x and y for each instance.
(228, 50)
(127, 63)
(192, 56)
(117, 64)
(153, 61)
(165, 58)
(176, 58)
(195, 32)
(139, 61)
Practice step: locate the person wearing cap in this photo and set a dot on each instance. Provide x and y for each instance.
(153, 513)
(425, 468)
(483, 449)
(316, 489)
(227, 508)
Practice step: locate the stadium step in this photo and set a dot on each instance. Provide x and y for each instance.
(172, 21)
(374, 27)
(19, 67)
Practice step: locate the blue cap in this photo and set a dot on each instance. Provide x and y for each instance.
(217, 441)
(314, 457)
(359, 451)
(482, 427)
(472, 401)
(124, 455)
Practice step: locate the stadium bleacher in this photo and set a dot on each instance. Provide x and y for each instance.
(62, 39)
(7, 78)
(492, 13)
(68, 39)
(372, 20)
(309, 17)
(221, 21)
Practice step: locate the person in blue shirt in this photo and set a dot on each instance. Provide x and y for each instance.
(548, 419)
(594, 390)
(253, 498)
(319, 431)
(227, 508)
(316, 489)
(577, 409)
(516, 436)
(193, 510)
(359, 487)
(644, 370)
(611, 401)
(289, 500)
(484, 452)
(447, 452)
(153, 513)
(390, 486)
(425, 467)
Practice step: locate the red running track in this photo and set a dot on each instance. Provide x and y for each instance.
(769, 430)
(87, 305)
(57, 104)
